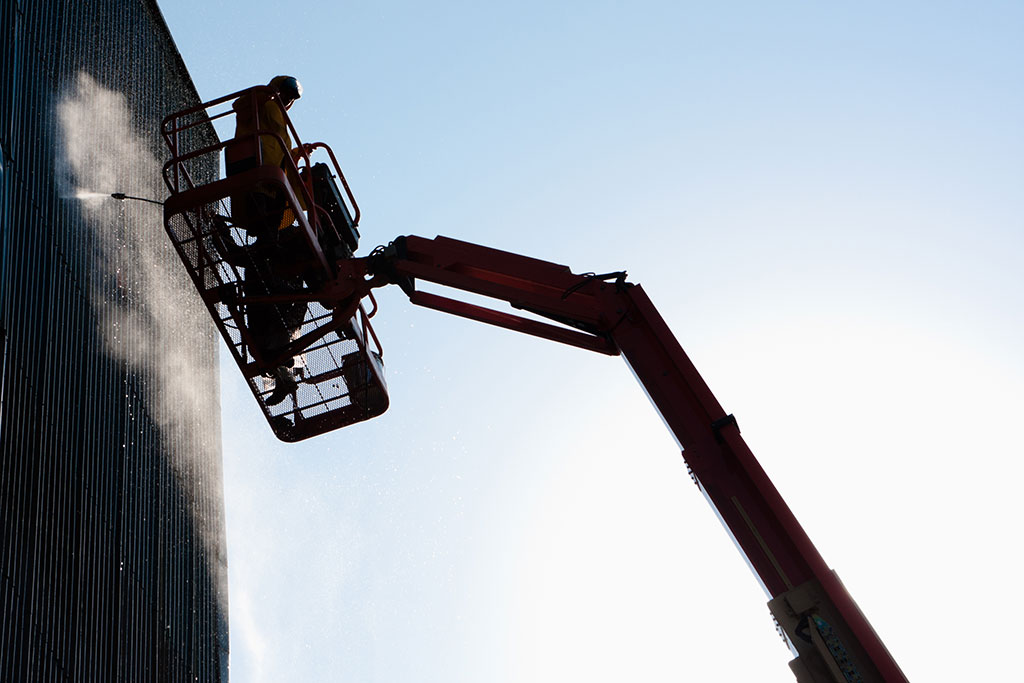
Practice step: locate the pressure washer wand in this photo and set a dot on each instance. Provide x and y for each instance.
(122, 196)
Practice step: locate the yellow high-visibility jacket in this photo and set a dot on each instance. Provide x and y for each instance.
(271, 120)
(243, 154)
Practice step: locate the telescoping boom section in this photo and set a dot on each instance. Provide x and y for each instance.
(271, 250)
(832, 640)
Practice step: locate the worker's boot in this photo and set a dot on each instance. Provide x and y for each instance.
(284, 385)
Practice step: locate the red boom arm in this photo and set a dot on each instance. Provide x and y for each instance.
(831, 637)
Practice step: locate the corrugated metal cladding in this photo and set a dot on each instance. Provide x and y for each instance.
(112, 554)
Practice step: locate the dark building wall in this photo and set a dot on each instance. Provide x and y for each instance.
(112, 555)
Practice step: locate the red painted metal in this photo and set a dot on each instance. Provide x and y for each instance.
(516, 323)
(618, 317)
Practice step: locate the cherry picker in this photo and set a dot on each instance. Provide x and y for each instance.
(335, 361)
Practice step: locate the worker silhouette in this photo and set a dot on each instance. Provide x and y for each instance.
(274, 248)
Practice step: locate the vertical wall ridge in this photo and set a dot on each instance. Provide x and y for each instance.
(112, 560)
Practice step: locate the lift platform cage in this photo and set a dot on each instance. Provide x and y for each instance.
(261, 244)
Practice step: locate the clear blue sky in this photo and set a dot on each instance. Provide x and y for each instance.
(825, 202)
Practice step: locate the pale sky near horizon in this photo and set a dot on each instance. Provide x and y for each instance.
(825, 203)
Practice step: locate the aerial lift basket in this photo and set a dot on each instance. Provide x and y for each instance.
(314, 364)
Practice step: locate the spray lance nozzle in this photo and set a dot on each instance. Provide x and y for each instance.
(119, 195)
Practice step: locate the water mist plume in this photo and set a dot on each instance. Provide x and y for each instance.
(86, 194)
(154, 322)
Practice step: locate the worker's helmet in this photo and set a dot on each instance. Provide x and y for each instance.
(288, 87)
